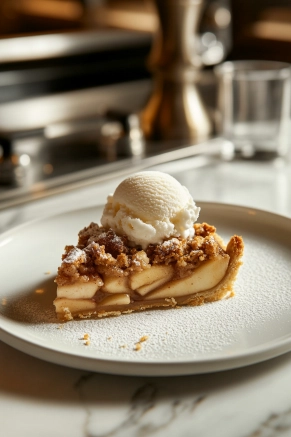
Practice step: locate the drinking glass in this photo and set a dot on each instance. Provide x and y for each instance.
(254, 107)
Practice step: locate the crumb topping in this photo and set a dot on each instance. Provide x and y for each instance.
(137, 347)
(101, 251)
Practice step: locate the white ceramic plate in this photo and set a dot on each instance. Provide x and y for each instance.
(253, 326)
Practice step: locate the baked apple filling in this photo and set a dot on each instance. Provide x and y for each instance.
(105, 275)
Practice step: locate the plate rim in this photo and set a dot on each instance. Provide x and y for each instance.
(203, 204)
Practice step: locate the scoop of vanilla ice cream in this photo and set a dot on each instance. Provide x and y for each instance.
(149, 207)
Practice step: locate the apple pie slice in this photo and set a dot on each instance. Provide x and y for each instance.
(104, 275)
(147, 253)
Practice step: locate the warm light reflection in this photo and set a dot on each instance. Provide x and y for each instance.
(252, 212)
(36, 47)
(39, 291)
(145, 21)
(52, 9)
(24, 159)
(222, 17)
(192, 105)
(58, 130)
(272, 30)
(5, 241)
(4, 301)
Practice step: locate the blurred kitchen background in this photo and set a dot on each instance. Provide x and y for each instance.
(74, 74)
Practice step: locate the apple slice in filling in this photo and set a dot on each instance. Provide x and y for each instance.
(74, 305)
(205, 277)
(116, 284)
(147, 280)
(80, 290)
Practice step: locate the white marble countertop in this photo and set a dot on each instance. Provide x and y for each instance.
(42, 399)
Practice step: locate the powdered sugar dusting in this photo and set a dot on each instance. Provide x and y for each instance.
(74, 255)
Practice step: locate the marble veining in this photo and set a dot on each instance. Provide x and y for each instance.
(250, 402)
(148, 410)
(276, 424)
